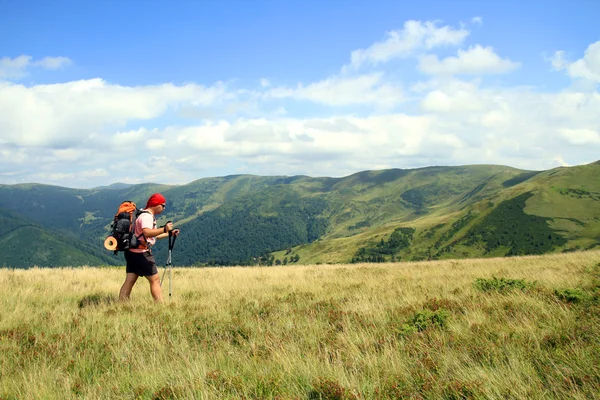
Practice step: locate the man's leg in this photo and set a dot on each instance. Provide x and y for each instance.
(130, 280)
(155, 288)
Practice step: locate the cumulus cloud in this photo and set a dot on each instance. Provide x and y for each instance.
(12, 157)
(53, 62)
(156, 144)
(69, 155)
(559, 62)
(78, 176)
(470, 124)
(15, 68)
(580, 136)
(344, 90)
(59, 115)
(319, 140)
(82, 131)
(518, 127)
(586, 68)
(476, 60)
(454, 96)
(415, 36)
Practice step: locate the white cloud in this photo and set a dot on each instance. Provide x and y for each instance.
(11, 157)
(522, 128)
(561, 162)
(559, 62)
(586, 68)
(80, 176)
(124, 140)
(474, 61)
(341, 90)
(53, 62)
(83, 132)
(470, 124)
(477, 21)
(15, 68)
(415, 36)
(289, 141)
(69, 155)
(92, 173)
(580, 136)
(156, 144)
(61, 114)
(451, 96)
(334, 125)
(439, 101)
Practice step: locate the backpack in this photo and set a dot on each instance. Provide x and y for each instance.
(123, 237)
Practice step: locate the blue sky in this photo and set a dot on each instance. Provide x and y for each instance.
(319, 88)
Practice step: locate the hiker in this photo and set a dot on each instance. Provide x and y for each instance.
(140, 261)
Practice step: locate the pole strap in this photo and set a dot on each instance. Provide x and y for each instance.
(172, 239)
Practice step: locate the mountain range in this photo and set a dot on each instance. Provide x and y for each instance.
(435, 212)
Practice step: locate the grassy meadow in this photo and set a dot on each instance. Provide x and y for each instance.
(513, 328)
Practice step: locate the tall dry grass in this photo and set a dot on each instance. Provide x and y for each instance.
(525, 327)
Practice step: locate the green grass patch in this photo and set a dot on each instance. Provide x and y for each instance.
(426, 319)
(572, 295)
(501, 285)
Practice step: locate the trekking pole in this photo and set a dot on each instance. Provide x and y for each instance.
(169, 264)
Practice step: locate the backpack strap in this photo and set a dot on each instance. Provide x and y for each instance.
(140, 245)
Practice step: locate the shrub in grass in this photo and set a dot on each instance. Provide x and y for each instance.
(571, 295)
(424, 319)
(427, 318)
(268, 387)
(501, 285)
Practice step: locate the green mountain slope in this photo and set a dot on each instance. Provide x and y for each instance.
(373, 198)
(425, 213)
(25, 244)
(235, 219)
(528, 213)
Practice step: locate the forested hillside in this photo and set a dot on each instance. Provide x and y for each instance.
(376, 216)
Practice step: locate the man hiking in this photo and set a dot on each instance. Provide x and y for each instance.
(140, 261)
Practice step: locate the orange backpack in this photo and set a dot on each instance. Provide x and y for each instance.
(123, 229)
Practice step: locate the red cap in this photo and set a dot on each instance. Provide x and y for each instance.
(155, 200)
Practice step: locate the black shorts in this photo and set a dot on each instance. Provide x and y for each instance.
(141, 264)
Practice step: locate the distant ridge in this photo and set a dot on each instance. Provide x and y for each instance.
(370, 216)
(114, 186)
